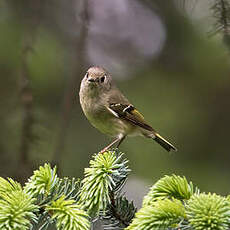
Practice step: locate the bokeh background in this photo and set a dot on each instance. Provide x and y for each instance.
(171, 58)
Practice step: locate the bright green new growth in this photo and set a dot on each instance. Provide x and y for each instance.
(170, 187)
(107, 173)
(68, 215)
(9, 185)
(228, 198)
(162, 214)
(42, 181)
(57, 199)
(16, 207)
(70, 204)
(208, 211)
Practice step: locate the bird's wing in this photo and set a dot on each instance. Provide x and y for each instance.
(129, 113)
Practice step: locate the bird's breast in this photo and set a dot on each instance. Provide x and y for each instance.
(102, 119)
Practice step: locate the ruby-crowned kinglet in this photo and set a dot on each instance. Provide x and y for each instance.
(109, 111)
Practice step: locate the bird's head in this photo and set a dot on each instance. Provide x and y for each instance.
(97, 79)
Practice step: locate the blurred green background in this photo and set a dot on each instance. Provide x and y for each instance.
(171, 58)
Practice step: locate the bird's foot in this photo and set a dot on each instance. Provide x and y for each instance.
(110, 145)
(104, 150)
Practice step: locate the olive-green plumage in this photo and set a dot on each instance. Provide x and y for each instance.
(110, 112)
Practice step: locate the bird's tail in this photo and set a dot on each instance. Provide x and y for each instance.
(164, 143)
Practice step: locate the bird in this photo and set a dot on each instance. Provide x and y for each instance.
(109, 111)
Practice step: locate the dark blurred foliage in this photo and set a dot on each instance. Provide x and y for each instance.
(161, 56)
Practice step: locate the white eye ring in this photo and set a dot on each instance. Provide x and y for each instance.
(103, 78)
(87, 75)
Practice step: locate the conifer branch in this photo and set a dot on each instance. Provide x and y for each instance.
(163, 214)
(57, 199)
(68, 215)
(107, 173)
(46, 200)
(208, 211)
(221, 12)
(16, 207)
(119, 214)
(42, 181)
(170, 187)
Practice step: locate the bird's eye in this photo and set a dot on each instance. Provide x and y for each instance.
(87, 75)
(103, 78)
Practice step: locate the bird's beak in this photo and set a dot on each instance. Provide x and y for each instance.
(91, 79)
